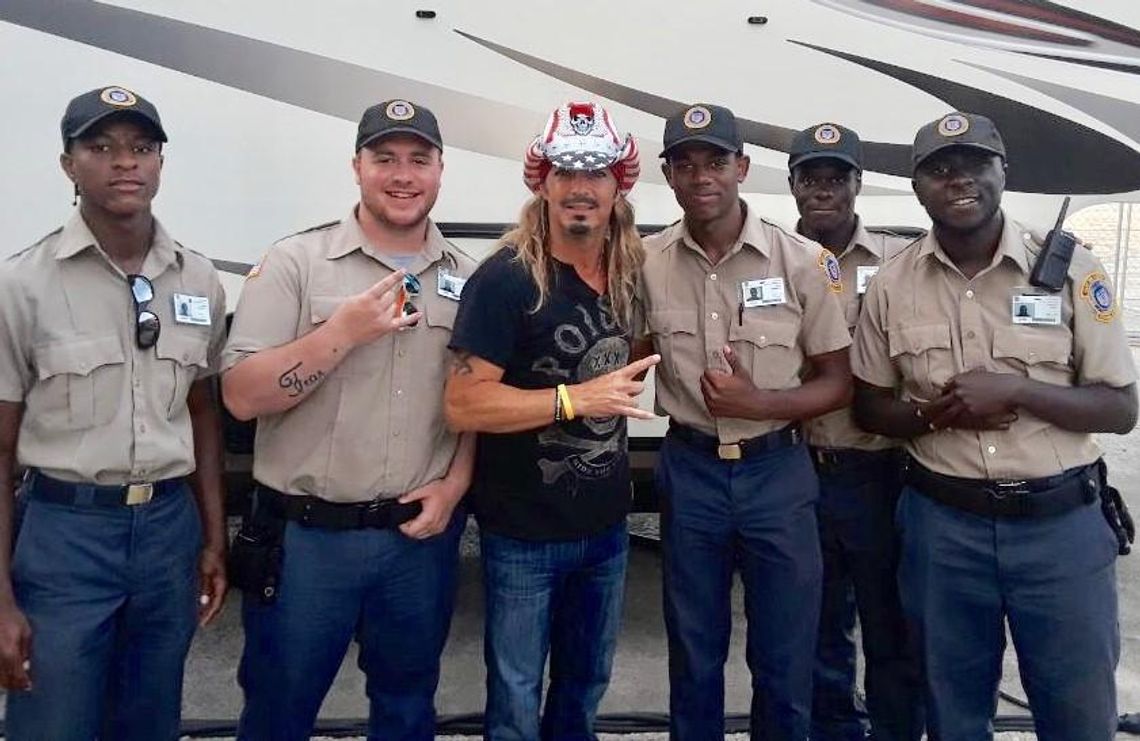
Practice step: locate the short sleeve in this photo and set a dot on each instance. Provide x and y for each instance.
(870, 353)
(492, 310)
(824, 326)
(1100, 344)
(269, 307)
(16, 374)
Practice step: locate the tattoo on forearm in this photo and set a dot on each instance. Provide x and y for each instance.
(461, 364)
(296, 382)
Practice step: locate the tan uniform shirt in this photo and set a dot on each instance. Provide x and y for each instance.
(375, 426)
(97, 408)
(860, 260)
(692, 309)
(924, 323)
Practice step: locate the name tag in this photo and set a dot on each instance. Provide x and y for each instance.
(863, 276)
(1031, 309)
(191, 309)
(448, 285)
(763, 292)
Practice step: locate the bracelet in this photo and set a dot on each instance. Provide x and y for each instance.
(567, 407)
(557, 406)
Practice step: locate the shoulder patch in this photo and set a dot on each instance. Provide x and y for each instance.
(256, 269)
(829, 264)
(1095, 289)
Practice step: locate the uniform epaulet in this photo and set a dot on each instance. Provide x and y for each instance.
(899, 232)
(779, 227)
(34, 245)
(317, 228)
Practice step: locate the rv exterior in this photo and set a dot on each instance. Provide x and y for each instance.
(261, 98)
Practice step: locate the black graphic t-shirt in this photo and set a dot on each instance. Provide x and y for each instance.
(570, 479)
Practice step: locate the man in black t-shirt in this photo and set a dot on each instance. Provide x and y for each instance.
(541, 343)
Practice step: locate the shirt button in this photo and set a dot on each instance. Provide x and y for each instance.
(399, 392)
(970, 293)
(712, 276)
(763, 339)
(399, 353)
(142, 428)
(715, 316)
(991, 450)
(395, 433)
(970, 334)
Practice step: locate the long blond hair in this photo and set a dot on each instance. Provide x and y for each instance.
(623, 254)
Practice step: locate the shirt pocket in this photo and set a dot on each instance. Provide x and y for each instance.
(183, 355)
(1043, 355)
(924, 354)
(81, 381)
(674, 333)
(768, 349)
(321, 308)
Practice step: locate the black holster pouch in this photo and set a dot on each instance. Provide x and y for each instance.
(1116, 512)
(257, 552)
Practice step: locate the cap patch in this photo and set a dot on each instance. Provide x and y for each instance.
(697, 117)
(400, 110)
(581, 118)
(1098, 293)
(118, 97)
(953, 125)
(829, 263)
(828, 135)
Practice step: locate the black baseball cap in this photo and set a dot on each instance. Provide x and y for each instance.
(711, 124)
(957, 130)
(826, 141)
(88, 109)
(397, 117)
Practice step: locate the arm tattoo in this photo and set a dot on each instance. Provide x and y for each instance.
(461, 363)
(296, 382)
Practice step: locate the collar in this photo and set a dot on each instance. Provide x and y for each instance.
(860, 238)
(1010, 246)
(350, 237)
(751, 235)
(77, 237)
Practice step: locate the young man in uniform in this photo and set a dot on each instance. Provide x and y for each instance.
(107, 400)
(339, 349)
(858, 477)
(1000, 517)
(541, 351)
(734, 475)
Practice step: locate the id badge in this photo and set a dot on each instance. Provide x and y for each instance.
(763, 292)
(448, 285)
(1036, 309)
(191, 309)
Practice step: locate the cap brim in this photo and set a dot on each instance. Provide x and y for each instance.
(799, 159)
(400, 130)
(948, 145)
(716, 141)
(121, 112)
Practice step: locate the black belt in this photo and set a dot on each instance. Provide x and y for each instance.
(1043, 497)
(315, 512)
(836, 459)
(782, 438)
(45, 488)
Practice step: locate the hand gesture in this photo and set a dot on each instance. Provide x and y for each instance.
(374, 313)
(614, 393)
(729, 394)
(976, 400)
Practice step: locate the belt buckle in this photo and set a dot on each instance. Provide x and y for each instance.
(139, 494)
(1005, 489)
(729, 452)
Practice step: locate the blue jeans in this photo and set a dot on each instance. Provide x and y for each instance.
(558, 597)
(858, 496)
(963, 576)
(111, 596)
(393, 594)
(758, 513)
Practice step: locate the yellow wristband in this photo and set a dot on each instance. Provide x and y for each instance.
(567, 407)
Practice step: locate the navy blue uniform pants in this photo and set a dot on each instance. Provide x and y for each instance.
(393, 594)
(111, 596)
(858, 494)
(758, 514)
(963, 576)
